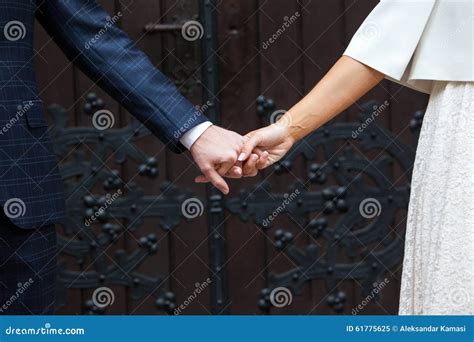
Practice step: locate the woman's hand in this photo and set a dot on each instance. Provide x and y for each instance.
(265, 147)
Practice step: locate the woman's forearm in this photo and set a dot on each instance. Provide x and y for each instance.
(344, 84)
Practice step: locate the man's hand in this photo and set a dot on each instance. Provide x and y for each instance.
(215, 152)
(261, 149)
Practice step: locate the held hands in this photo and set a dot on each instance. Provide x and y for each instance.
(216, 152)
(238, 156)
(265, 147)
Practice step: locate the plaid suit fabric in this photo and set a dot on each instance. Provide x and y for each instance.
(30, 182)
(28, 269)
(29, 178)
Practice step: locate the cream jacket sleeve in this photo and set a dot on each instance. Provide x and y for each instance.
(416, 42)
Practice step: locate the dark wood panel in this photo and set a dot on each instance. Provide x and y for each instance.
(189, 253)
(282, 79)
(239, 78)
(283, 70)
(323, 42)
(136, 14)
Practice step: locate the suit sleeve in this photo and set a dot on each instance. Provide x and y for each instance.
(91, 40)
(387, 39)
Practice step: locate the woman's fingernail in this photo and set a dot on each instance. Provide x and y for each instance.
(241, 157)
(254, 157)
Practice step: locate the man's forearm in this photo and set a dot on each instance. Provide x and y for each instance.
(120, 68)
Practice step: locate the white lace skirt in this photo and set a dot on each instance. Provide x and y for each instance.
(438, 269)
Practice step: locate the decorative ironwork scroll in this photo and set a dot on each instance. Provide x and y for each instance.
(95, 222)
(83, 153)
(347, 167)
(351, 214)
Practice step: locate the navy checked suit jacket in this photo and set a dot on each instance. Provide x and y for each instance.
(30, 184)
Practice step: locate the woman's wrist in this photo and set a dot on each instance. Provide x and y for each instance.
(294, 128)
(283, 129)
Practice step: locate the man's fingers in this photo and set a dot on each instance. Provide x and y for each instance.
(217, 180)
(249, 146)
(235, 172)
(201, 179)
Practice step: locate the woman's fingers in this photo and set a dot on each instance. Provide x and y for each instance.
(258, 160)
(250, 166)
(235, 172)
(249, 146)
(263, 161)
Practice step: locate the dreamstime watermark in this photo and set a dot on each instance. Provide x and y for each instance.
(103, 119)
(14, 30)
(110, 21)
(369, 30)
(288, 21)
(192, 30)
(46, 330)
(280, 297)
(22, 110)
(460, 296)
(109, 199)
(278, 117)
(22, 287)
(377, 288)
(370, 207)
(286, 202)
(192, 208)
(14, 208)
(103, 296)
(200, 287)
(200, 110)
(377, 110)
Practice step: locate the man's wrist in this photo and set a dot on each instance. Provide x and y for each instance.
(191, 136)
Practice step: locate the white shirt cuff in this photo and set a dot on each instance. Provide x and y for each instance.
(190, 137)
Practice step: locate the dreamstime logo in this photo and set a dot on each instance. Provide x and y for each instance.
(280, 118)
(109, 199)
(370, 30)
(102, 297)
(14, 30)
(110, 21)
(200, 110)
(377, 110)
(192, 30)
(377, 288)
(192, 208)
(22, 287)
(286, 202)
(287, 22)
(14, 208)
(370, 207)
(280, 297)
(460, 296)
(200, 287)
(22, 110)
(103, 119)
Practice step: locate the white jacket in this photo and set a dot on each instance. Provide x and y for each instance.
(416, 42)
